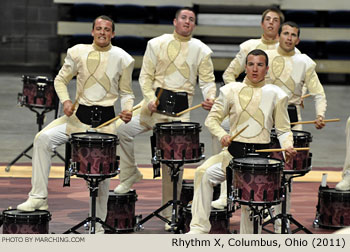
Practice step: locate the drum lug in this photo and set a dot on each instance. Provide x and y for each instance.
(138, 227)
(73, 168)
(316, 222)
(158, 155)
(21, 99)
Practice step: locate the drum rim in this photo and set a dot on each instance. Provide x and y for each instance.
(187, 125)
(21, 215)
(75, 136)
(334, 191)
(280, 164)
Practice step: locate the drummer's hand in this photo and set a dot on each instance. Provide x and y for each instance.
(68, 108)
(152, 106)
(290, 153)
(225, 140)
(125, 115)
(302, 102)
(319, 123)
(207, 104)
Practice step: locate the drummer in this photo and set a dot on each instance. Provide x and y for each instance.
(173, 62)
(294, 72)
(253, 103)
(103, 72)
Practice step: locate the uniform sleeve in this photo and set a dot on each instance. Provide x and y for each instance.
(125, 87)
(315, 88)
(206, 78)
(147, 74)
(217, 114)
(282, 123)
(66, 73)
(236, 67)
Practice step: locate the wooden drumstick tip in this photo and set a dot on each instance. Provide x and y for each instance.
(282, 149)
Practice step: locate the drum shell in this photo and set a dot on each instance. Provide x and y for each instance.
(187, 192)
(302, 160)
(39, 94)
(256, 183)
(333, 208)
(19, 222)
(121, 211)
(219, 221)
(178, 141)
(93, 155)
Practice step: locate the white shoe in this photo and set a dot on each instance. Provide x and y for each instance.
(32, 204)
(343, 185)
(127, 184)
(220, 203)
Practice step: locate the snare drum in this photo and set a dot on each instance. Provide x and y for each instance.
(121, 211)
(301, 163)
(219, 221)
(38, 92)
(256, 180)
(19, 222)
(178, 141)
(94, 154)
(333, 208)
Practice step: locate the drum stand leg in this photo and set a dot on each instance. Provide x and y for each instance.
(286, 219)
(174, 224)
(40, 121)
(93, 187)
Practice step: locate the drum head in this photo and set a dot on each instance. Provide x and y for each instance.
(256, 163)
(94, 137)
(177, 126)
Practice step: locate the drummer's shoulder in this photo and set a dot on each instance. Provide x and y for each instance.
(271, 88)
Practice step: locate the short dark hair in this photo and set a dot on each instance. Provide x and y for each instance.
(291, 24)
(104, 17)
(257, 52)
(273, 9)
(185, 8)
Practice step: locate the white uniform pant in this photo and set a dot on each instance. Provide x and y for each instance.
(45, 142)
(346, 168)
(209, 174)
(128, 166)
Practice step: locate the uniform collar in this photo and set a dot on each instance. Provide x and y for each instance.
(254, 85)
(181, 38)
(101, 49)
(283, 52)
(268, 41)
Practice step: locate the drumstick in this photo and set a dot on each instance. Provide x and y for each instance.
(116, 118)
(239, 132)
(158, 97)
(76, 102)
(305, 96)
(189, 109)
(310, 122)
(282, 149)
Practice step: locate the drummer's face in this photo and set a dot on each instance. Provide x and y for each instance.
(256, 68)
